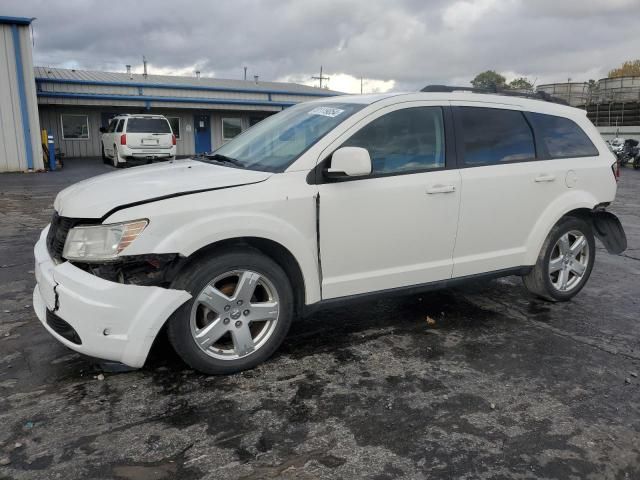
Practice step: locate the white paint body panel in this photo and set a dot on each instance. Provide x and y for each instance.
(131, 314)
(94, 197)
(361, 236)
(387, 232)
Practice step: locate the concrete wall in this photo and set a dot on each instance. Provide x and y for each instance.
(15, 141)
(609, 133)
(51, 120)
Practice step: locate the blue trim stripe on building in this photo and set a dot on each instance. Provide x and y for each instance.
(16, 20)
(174, 86)
(26, 130)
(148, 98)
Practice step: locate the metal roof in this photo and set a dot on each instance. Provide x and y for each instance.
(16, 20)
(91, 77)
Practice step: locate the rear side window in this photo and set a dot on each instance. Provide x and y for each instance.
(120, 126)
(407, 140)
(562, 137)
(492, 136)
(112, 126)
(148, 125)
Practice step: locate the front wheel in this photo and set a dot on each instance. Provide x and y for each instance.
(239, 314)
(565, 261)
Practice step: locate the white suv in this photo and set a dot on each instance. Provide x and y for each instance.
(326, 201)
(143, 137)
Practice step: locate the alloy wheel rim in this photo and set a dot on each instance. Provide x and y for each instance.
(235, 314)
(568, 261)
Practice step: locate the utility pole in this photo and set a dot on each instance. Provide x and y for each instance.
(245, 74)
(144, 66)
(320, 77)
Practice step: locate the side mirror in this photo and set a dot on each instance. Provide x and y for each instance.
(349, 162)
(103, 130)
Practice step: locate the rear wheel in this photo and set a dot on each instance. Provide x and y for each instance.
(104, 156)
(116, 157)
(239, 314)
(565, 261)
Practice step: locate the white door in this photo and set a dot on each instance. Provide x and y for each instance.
(505, 190)
(396, 227)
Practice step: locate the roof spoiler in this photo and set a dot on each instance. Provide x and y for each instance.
(537, 95)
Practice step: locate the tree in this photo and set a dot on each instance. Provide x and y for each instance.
(521, 83)
(630, 68)
(489, 80)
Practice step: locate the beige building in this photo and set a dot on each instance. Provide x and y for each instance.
(203, 112)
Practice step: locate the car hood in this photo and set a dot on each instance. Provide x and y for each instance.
(97, 196)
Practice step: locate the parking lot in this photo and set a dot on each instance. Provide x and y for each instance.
(476, 382)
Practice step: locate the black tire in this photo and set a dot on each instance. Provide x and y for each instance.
(538, 281)
(104, 156)
(196, 276)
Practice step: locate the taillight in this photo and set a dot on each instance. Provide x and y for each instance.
(615, 168)
(173, 138)
(123, 139)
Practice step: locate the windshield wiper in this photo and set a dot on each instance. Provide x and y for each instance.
(224, 159)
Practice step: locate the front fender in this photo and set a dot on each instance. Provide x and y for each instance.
(200, 232)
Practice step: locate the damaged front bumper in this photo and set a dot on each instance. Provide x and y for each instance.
(97, 317)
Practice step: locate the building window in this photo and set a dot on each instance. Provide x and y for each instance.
(75, 127)
(231, 127)
(175, 125)
(255, 120)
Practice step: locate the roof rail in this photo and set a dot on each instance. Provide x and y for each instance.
(537, 95)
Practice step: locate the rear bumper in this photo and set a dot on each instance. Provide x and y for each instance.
(147, 153)
(112, 321)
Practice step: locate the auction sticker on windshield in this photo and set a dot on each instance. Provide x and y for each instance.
(326, 111)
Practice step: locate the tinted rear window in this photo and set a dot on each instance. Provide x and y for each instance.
(491, 136)
(148, 125)
(562, 137)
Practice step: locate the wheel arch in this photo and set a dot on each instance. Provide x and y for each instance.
(577, 204)
(268, 247)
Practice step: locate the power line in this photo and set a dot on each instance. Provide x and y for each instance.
(320, 77)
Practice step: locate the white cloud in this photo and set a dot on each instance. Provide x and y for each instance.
(463, 14)
(343, 82)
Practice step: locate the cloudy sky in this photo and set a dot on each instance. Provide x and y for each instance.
(392, 44)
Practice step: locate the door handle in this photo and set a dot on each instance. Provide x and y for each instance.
(439, 188)
(545, 178)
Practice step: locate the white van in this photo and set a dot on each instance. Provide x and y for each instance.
(145, 137)
(328, 201)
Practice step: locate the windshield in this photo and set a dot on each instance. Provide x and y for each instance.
(148, 125)
(275, 143)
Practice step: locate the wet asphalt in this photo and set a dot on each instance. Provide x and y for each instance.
(482, 381)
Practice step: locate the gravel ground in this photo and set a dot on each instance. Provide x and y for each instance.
(475, 382)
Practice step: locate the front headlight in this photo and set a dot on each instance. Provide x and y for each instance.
(98, 243)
